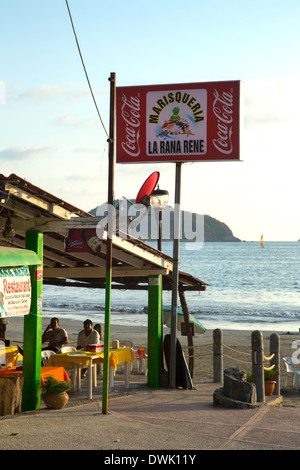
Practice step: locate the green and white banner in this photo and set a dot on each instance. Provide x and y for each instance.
(15, 291)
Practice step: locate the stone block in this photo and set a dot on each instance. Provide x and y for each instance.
(11, 387)
(239, 390)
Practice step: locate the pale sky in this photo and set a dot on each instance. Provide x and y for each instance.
(51, 134)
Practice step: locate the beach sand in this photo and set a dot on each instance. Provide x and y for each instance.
(235, 342)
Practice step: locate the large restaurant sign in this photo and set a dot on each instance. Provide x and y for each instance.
(15, 291)
(180, 122)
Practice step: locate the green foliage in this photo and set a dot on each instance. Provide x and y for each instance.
(51, 385)
(268, 375)
(271, 374)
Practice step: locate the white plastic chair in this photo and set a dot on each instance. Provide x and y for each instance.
(65, 349)
(45, 356)
(289, 370)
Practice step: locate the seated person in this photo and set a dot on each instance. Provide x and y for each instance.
(2, 328)
(88, 335)
(55, 336)
(99, 328)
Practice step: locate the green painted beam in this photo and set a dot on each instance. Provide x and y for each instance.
(31, 397)
(154, 330)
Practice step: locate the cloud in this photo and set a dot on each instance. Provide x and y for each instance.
(88, 122)
(45, 92)
(70, 120)
(270, 102)
(21, 153)
(2, 92)
(82, 177)
(41, 93)
(94, 150)
(67, 119)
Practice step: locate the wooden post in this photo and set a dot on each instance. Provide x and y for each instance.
(175, 277)
(154, 330)
(109, 244)
(257, 345)
(186, 315)
(218, 355)
(31, 399)
(127, 374)
(275, 349)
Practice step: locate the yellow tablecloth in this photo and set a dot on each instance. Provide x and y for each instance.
(116, 356)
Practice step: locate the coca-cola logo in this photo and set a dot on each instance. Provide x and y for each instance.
(130, 112)
(222, 108)
(74, 243)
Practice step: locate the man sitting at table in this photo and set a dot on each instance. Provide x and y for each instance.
(55, 336)
(87, 336)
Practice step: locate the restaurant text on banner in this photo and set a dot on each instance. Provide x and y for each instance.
(179, 122)
(15, 291)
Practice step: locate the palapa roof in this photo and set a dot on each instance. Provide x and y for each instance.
(31, 208)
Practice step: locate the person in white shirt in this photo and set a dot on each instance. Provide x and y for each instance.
(87, 336)
(55, 336)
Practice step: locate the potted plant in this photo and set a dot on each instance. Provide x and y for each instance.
(55, 392)
(269, 381)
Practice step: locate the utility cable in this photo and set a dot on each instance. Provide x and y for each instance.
(85, 69)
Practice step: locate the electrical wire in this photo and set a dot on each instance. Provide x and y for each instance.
(78, 47)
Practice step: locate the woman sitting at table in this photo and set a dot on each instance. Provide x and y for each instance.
(87, 336)
(55, 336)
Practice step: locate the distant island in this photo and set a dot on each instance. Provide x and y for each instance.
(214, 230)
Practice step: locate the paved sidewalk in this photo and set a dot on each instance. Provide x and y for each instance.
(152, 420)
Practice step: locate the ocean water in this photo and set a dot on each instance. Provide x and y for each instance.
(250, 288)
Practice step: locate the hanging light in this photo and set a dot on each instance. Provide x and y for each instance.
(8, 231)
(159, 198)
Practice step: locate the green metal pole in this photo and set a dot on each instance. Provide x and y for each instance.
(31, 397)
(106, 343)
(109, 244)
(154, 330)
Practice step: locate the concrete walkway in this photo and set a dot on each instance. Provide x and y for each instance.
(152, 420)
